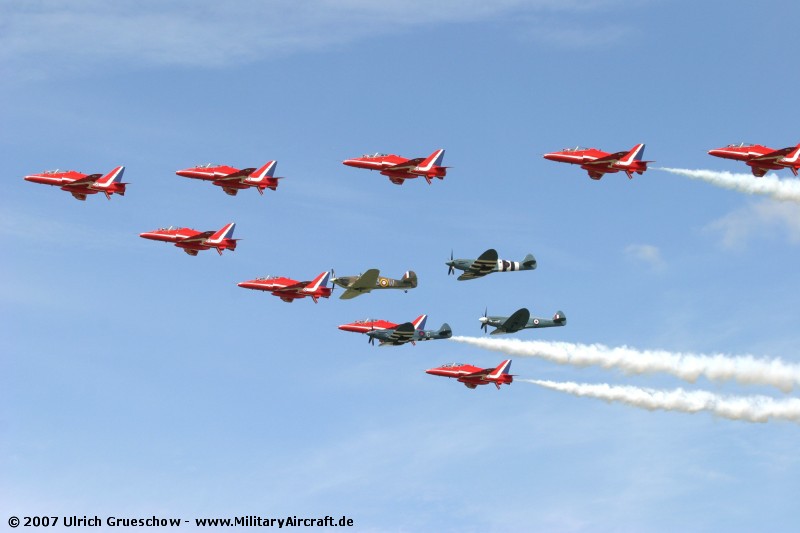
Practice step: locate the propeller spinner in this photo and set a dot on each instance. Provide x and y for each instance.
(485, 320)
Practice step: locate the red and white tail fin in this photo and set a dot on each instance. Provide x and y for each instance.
(225, 233)
(435, 159)
(501, 369)
(633, 156)
(419, 322)
(112, 177)
(267, 171)
(319, 281)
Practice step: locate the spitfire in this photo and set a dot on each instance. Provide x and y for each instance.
(289, 290)
(761, 159)
(232, 180)
(520, 319)
(371, 280)
(81, 185)
(598, 163)
(472, 376)
(391, 334)
(398, 168)
(192, 241)
(487, 263)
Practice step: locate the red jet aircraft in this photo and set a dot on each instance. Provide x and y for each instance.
(81, 185)
(597, 162)
(192, 241)
(232, 180)
(472, 376)
(399, 169)
(760, 159)
(289, 290)
(370, 324)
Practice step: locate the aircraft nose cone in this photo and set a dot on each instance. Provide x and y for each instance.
(483, 320)
(716, 152)
(349, 162)
(551, 156)
(183, 173)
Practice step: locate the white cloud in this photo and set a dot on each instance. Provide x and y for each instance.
(48, 34)
(738, 228)
(647, 254)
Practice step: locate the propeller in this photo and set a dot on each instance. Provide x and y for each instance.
(371, 338)
(333, 277)
(451, 270)
(485, 321)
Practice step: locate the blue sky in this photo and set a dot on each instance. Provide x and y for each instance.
(137, 380)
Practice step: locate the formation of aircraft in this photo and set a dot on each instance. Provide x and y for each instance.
(520, 319)
(391, 334)
(487, 263)
(290, 290)
(472, 376)
(81, 185)
(597, 162)
(760, 158)
(398, 168)
(371, 280)
(192, 241)
(232, 180)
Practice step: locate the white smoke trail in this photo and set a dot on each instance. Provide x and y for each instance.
(770, 185)
(747, 408)
(744, 369)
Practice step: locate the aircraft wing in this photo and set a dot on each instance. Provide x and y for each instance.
(198, 237)
(367, 280)
(481, 266)
(402, 334)
(481, 373)
(290, 289)
(411, 163)
(86, 181)
(515, 322)
(606, 160)
(777, 154)
(364, 283)
(237, 175)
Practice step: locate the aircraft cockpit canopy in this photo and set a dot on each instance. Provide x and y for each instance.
(740, 145)
(207, 165)
(576, 149)
(376, 154)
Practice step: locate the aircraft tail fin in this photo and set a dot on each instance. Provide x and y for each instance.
(435, 159)
(112, 177)
(225, 233)
(445, 331)
(267, 171)
(501, 369)
(419, 322)
(319, 281)
(410, 279)
(529, 262)
(560, 318)
(635, 155)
